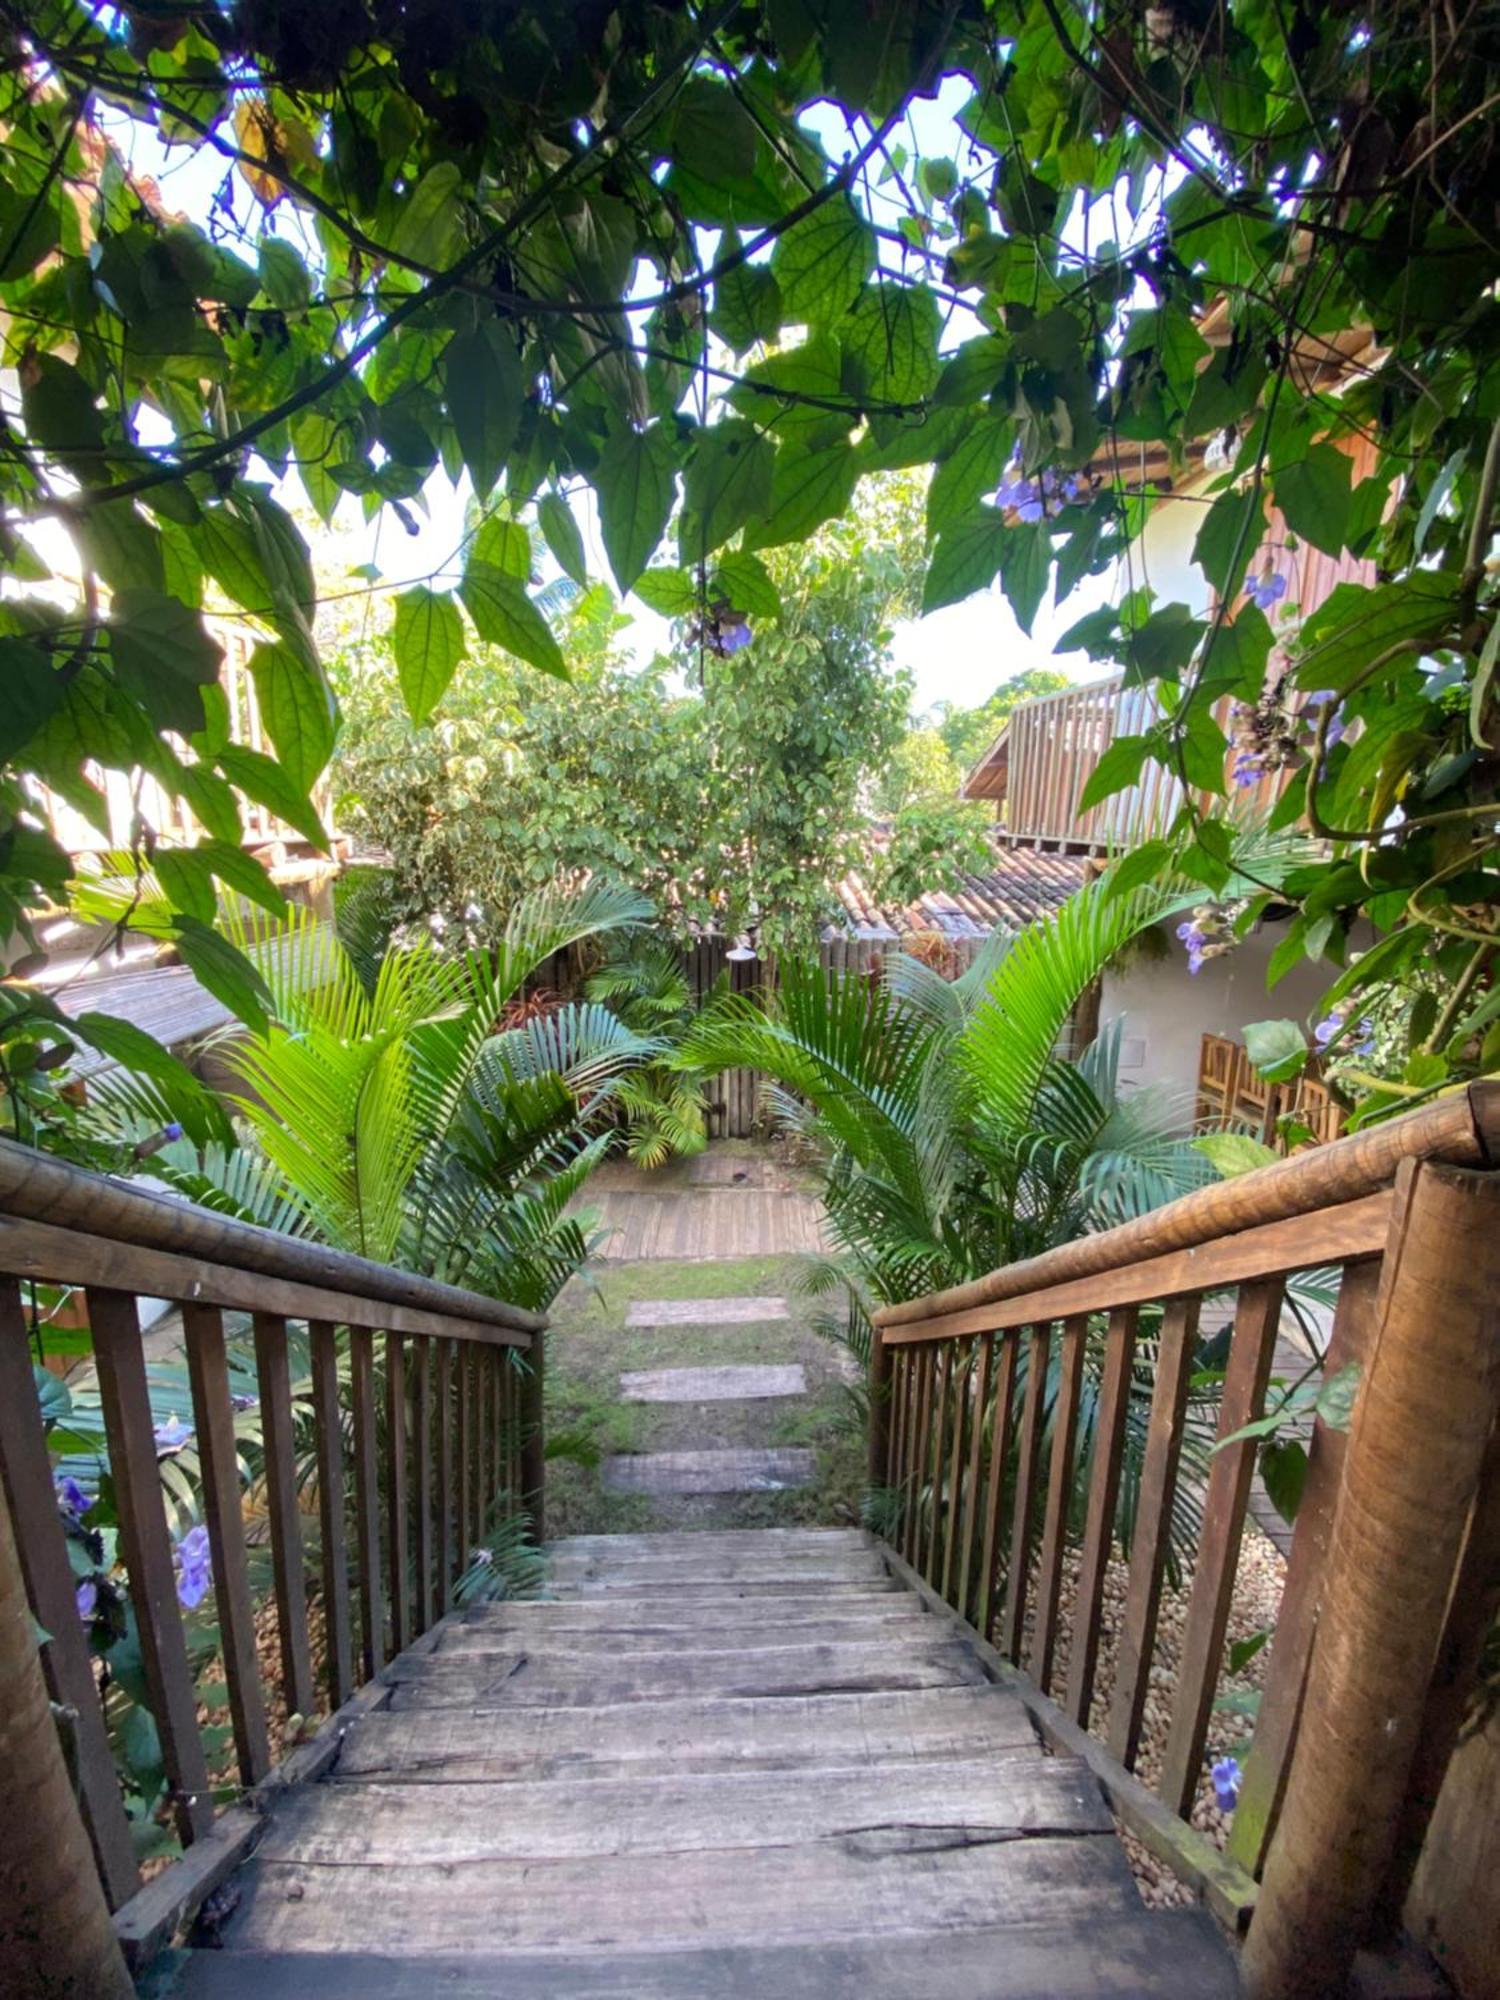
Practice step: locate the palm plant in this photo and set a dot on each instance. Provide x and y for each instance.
(642, 980)
(952, 1136)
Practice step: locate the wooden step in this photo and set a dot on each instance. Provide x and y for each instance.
(682, 1569)
(894, 1881)
(440, 1746)
(623, 1583)
(520, 1678)
(681, 1612)
(710, 1541)
(741, 1634)
(1124, 1955)
(962, 1800)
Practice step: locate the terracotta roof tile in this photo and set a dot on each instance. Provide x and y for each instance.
(1023, 884)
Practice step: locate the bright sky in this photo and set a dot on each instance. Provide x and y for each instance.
(957, 655)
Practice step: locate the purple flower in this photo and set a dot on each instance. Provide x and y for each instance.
(1226, 1775)
(733, 637)
(171, 1436)
(71, 1498)
(1195, 940)
(86, 1597)
(1247, 769)
(1332, 1025)
(171, 1132)
(192, 1560)
(484, 1556)
(1334, 733)
(1267, 588)
(241, 1401)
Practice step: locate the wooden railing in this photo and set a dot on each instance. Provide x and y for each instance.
(420, 1418)
(1391, 1582)
(1234, 1097)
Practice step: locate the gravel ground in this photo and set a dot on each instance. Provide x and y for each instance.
(1257, 1597)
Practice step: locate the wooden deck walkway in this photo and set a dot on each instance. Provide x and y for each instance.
(717, 1766)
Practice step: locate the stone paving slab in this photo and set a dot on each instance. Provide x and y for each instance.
(769, 1471)
(705, 1312)
(711, 1385)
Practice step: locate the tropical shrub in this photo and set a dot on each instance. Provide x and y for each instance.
(662, 1105)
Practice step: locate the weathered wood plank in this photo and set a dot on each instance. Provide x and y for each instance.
(526, 1677)
(927, 1362)
(429, 1602)
(384, 1825)
(963, 1391)
(442, 1395)
(785, 1567)
(715, 1634)
(619, 1549)
(965, 1586)
(683, 1734)
(213, 1431)
(831, 1889)
(1155, 1955)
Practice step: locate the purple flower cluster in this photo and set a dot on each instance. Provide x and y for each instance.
(1226, 1775)
(1316, 703)
(723, 630)
(86, 1597)
(1332, 1025)
(1036, 499)
(191, 1559)
(1207, 933)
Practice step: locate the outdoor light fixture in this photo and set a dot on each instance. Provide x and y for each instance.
(741, 951)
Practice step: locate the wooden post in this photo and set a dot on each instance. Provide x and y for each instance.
(879, 1469)
(533, 1438)
(1413, 1465)
(55, 1934)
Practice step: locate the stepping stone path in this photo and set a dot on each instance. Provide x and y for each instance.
(744, 1469)
(767, 1471)
(712, 1385)
(705, 1312)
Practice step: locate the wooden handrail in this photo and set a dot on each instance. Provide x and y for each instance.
(1461, 1131)
(47, 1190)
(426, 1410)
(975, 1404)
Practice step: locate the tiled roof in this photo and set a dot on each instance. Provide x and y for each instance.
(1022, 885)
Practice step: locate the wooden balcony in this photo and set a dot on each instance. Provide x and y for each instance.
(1233, 1098)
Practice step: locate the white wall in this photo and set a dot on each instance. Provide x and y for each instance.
(1167, 1011)
(1163, 557)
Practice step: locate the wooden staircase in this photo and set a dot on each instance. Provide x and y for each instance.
(714, 1764)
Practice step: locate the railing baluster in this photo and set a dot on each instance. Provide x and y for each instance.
(1099, 1524)
(962, 1387)
(1059, 1494)
(1028, 1464)
(338, 1664)
(1252, 1347)
(533, 1441)
(880, 1377)
(494, 1362)
(367, 1501)
(422, 1481)
(147, 1550)
(900, 1388)
(48, 1576)
(926, 1364)
(939, 1412)
(1153, 1524)
(397, 1519)
(443, 1398)
(986, 1364)
(1000, 1431)
(465, 1428)
(286, 1519)
(213, 1427)
(1270, 1752)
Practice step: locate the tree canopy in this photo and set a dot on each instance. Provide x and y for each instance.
(699, 261)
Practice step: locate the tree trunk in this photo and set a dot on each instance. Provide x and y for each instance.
(55, 1934)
